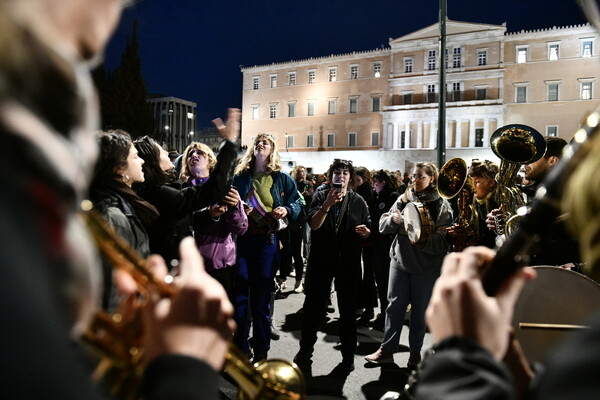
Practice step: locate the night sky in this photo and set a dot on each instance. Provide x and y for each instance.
(193, 49)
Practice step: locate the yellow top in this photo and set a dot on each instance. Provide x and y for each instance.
(262, 183)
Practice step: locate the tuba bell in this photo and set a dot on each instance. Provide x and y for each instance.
(515, 145)
(454, 180)
(116, 340)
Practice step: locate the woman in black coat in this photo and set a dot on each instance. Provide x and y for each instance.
(376, 256)
(175, 204)
(339, 220)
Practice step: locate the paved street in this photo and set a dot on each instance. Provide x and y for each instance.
(367, 381)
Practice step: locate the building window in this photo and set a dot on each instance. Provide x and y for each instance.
(521, 94)
(353, 105)
(587, 47)
(431, 95)
(521, 55)
(273, 81)
(331, 107)
(254, 112)
(311, 108)
(478, 137)
(312, 75)
(553, 92)
(352, 139)
(310, 140)
(376, 104)
(456, 57)
(402, 139)
(255, 81)
(480, 93)
(291, 109)
(374, 138)
(289, 141)
(456, 91)
(330, 139)
(407, 98)
(553, 51)
(481, 57)
(586, 90)
(431, 60)
(332, 74)
(377, 69)
(273, 111)
(552, 130)
(292, 79)
(408, 65)
(354, 72)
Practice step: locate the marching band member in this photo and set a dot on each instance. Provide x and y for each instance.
(414, 266)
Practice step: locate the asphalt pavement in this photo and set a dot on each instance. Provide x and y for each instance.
(367, 381)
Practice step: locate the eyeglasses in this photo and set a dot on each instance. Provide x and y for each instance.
(340, 161)
(420, 176)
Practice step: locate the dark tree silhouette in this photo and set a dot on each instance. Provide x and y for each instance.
(123, 93)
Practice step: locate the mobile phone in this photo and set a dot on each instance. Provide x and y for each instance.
(337, 186)
(222, 202)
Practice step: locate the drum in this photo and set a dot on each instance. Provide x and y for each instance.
(557, 302)
(417, 222)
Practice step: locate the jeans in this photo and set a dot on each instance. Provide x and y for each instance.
(404, 289)
(257, 260)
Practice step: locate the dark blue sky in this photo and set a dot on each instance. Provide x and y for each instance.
(193, 49)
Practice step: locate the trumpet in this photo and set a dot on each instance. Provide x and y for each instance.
(117, 340)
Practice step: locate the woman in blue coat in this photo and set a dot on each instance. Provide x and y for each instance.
(273, 202)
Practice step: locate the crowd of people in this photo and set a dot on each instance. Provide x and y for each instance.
(380, 238)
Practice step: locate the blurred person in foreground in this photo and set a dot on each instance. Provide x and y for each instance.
(467, 362)
(48, 119)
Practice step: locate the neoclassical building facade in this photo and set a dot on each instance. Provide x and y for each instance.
(380, 107)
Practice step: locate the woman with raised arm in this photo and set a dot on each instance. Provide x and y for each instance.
(164, 190)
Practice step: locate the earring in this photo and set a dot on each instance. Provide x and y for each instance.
(126, 178)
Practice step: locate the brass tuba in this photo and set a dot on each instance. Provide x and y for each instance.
(515, 145)
(117, 341)
(454, 180)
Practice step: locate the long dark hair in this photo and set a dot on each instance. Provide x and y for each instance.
(150, 153)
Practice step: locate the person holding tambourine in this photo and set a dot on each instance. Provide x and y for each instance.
(419, 220)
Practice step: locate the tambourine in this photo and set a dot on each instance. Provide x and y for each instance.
(417, 222)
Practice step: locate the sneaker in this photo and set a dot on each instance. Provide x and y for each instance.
(282, 285)
(293, 273)
(380, 357)
(298, 288)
